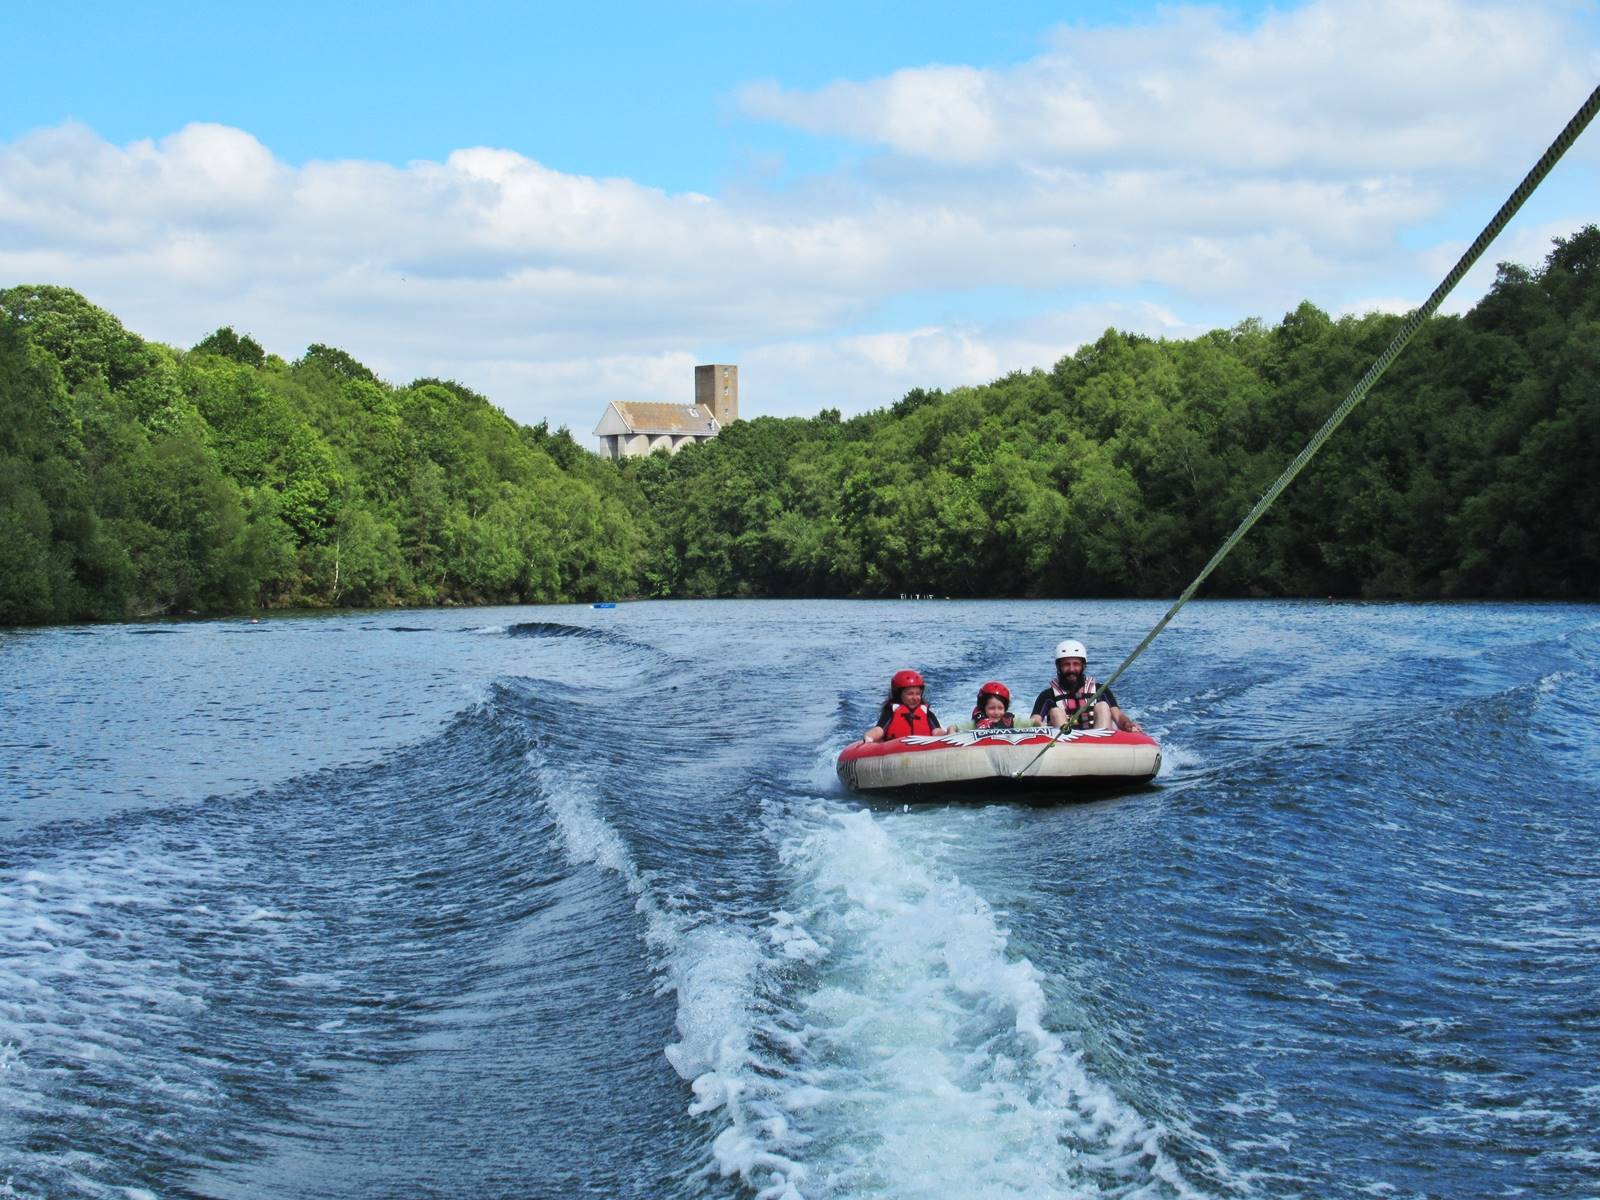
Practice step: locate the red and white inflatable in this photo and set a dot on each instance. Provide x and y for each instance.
(1002, 760)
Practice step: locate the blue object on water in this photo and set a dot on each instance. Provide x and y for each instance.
(604, 604)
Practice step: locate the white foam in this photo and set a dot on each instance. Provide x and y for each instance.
(321, 980)
(925, 1060)
(880, 1037)
(1551, 683)
(822, 776)
(86, 978)
(715, 972)
(263, 914)
(1177, 759)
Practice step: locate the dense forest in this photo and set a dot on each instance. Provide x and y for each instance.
(137, 480)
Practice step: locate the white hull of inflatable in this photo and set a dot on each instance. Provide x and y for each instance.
(1002, 760)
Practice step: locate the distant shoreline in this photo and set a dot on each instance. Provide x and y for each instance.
(139, 478)
(267, 615)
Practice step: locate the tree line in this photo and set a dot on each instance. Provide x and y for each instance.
(140, 480)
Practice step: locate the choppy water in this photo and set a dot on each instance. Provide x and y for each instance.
(564, 902)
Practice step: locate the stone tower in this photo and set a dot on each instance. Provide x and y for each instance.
(716, 389)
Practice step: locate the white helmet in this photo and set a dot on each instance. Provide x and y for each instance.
(1072, 649)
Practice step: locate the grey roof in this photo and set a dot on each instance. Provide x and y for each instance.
(678, 419)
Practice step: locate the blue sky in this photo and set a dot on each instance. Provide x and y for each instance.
(638, 90)
(563, 207)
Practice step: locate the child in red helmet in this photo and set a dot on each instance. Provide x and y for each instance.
(903, 713)
(993, 710)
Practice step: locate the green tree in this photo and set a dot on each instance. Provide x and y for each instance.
(227, 344)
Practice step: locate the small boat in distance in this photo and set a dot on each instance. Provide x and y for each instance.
(604, 604)
(996, 763)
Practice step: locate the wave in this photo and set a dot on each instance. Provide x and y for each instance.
(221, 961)
(925, 1062)
(875, 1035)
(1179, 761)
(555, 629)
(667, 958)
(98, 989)
(560, 632)
(715, 971)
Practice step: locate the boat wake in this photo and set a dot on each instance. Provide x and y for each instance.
(875, 1034)
(926, 1060)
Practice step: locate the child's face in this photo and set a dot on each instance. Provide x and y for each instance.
(993, 706)
(911, 697)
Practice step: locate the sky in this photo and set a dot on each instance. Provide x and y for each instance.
(561, 208)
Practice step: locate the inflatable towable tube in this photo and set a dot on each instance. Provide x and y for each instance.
(1002, 760)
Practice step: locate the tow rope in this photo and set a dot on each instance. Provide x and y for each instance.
(1402, 337)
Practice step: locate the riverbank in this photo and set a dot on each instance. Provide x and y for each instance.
(138, 478)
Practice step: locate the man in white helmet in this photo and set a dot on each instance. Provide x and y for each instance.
(1074, 700)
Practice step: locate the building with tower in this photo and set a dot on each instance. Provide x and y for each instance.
(716, 389)
(630, 428)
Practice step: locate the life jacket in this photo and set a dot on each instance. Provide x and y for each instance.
(1079, 705)
(1003, 721)
(905, 721)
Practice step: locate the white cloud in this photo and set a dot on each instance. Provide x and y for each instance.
(870, 370)
(1394, 305)
(1338, 86)
(1214, 170)
(1527, 244)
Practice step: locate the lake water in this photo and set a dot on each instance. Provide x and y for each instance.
(551, 902)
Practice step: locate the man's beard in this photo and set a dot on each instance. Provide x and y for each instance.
(1071, 680)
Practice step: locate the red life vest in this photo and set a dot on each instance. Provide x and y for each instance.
(1079, 705)
(904, 721)
(1003, 721)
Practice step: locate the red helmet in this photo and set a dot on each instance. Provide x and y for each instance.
(905, 679)
(995, 688)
